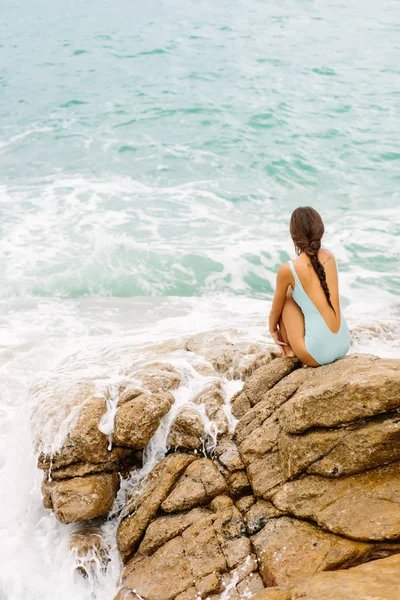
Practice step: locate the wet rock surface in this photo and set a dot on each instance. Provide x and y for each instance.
(285, 486)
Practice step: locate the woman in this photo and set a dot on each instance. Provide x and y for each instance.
(305, 318)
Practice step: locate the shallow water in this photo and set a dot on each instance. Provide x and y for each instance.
(150, 156)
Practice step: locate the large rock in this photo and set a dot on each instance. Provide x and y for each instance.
(145, 504)
(355, 387)
(89, 549)
(195, 553)
(150, 378)
(364, 506)
(313, 468)
(137, 420)
(191, 428)
(83, 498)
(288, 549)
(161, 576)
(198, 485)
(187, 430)
(84, 442)
(377, 580)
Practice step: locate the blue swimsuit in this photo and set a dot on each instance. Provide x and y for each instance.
(323, 345)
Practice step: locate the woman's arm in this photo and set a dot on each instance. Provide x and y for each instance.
(283, 280)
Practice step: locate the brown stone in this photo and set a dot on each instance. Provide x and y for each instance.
(351, 388)
(89, 549)
(365, 506)
(272, 400)
(260, 441)
(145, 505)
(266, 475)
(288, 549)
(264, 378)
(298, 452)
(215, 348)
(46, 492)
(163, 575)
(228, 454)
(209, 583)
(118, 458)
(240, 404)
(165, 528)
(377, 580)
(244, 503)
(152, 378)
(374, 444)
(199, 484)
(251, 585)
(259, 514)
(189, 594)
(85, 442)
(187, 430)
(248, 358)
(212, 397)
(84, 498)
(238, 483)
(202, 548)
(137, 420)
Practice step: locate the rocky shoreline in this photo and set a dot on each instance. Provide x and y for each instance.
(288, 488)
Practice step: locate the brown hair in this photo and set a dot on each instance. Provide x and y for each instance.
(307, 229)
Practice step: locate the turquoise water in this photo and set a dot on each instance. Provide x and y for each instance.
(159, 149)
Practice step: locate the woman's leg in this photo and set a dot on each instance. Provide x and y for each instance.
(287, 350)
(293, 323)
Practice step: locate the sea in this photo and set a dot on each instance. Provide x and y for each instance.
(151, 154)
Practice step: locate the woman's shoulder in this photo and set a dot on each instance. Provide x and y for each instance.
(326, 256)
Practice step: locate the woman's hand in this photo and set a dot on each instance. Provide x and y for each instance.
(276, 336)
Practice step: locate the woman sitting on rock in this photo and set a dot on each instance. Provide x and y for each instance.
(305, 319)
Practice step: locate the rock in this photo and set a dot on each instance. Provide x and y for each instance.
(355, 387)
(202, 548)
(266, 475)
(145, 505)
(258, 514)
(363, 507)
(244, 503)
(118, 459)
(215, 348)
(251, 585)
(240, 404)
(248, 358)
(85, 442)
(378, 580)
(89, 549)
(83, 498)
(272, 400)
(152, 378)
(288, 549)
(198, 485)
(264, 378)
(137, 420)
(238, 483)
(209, 583)
(214, 547)
(167, 527)
(161, 576)
(228, 454)
(212, 397)
(187, 430)
(374, 444)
